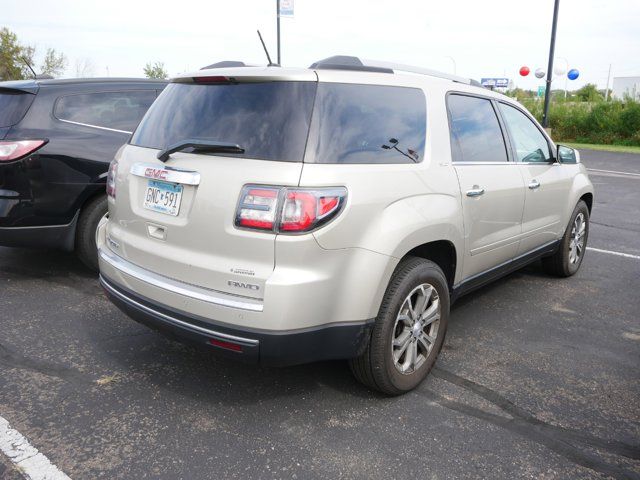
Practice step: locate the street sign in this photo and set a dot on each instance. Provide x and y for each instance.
(286, 8)
(495, 82)
(541, 90)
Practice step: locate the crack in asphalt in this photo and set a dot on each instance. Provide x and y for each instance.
(617, 227)
(555, 438)
(12, 359)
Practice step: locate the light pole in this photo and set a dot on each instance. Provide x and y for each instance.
(552, 47)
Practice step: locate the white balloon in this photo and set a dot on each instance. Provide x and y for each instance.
(540, 73)
(559, 70)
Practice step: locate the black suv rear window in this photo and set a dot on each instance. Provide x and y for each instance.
(120, 111)
(367, 124)
(270, 120)
(13, 106)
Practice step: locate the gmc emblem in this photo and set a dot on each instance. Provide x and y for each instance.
(158, 173)
(249, 286)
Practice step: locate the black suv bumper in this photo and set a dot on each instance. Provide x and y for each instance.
(280, 348)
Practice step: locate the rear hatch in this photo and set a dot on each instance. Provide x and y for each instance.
(176, 218)
(15, 100)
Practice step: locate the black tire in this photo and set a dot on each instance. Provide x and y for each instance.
(376, 366)
(560, 263)
(90, 216)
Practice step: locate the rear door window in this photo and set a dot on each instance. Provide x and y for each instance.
(270, 120)
(13, 106)
(367, 124)
(476, 135)
(120, 111)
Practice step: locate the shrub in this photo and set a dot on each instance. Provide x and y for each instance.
(614, 122)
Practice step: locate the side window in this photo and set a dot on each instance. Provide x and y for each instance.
(117, 110)
(367, 124)
(476, 135)
(529, 142)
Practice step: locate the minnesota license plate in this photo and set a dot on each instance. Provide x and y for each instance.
(163, 197)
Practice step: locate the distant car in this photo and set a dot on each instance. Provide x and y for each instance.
(57, 138)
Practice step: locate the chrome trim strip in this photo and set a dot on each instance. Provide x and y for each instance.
(170, 319)
(174, 175)
(181, 288)
(95, 126)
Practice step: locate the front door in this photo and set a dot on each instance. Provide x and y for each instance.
(547, 182)
(491, 186)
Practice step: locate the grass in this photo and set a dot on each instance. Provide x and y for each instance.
(606, 148)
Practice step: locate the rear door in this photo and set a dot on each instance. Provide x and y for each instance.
(548, 183)
(492, 189)
(194, 239)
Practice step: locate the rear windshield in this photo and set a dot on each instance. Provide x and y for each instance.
(13, 106)
(367, 124)
(351, 123)
(270, 120)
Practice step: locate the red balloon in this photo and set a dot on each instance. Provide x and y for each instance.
(524, 71)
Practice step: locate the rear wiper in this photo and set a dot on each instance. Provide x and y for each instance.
(200, 146)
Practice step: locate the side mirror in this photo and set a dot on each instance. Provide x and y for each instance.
(568, 154)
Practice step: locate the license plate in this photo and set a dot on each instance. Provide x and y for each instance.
(163, 197)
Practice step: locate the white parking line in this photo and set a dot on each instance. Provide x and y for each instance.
(614, 172)
(620, 254)
(31, 463)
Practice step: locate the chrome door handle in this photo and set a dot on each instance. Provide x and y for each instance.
(476, 191)
(534, 184)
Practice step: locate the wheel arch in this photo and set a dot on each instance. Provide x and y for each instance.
(588, 199)
(441, 252)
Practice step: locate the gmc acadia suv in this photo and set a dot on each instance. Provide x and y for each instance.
(292, 215)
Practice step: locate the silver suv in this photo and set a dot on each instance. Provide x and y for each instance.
(293, 215)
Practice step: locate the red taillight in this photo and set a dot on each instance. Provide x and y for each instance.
(288, 210)
(17, 149)
(257, 208)
(111, 179)
(299, 211)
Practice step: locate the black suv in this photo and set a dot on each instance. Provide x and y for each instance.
(57, 138)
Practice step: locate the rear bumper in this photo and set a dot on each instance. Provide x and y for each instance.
(277, 348)
(50, 236)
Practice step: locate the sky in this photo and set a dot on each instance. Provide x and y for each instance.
(482, 39)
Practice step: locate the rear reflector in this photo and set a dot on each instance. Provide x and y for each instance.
(17, 149)
(226, 345)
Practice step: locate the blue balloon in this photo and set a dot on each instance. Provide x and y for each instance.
(573, 74)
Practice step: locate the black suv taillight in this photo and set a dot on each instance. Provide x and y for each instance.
(286, 209)
(16, 149)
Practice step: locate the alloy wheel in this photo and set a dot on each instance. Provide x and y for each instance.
(416, 328)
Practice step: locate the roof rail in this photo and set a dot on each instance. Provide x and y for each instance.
(345, 62)
(226, 64)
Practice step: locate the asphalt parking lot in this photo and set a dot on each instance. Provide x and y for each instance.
(539, 378)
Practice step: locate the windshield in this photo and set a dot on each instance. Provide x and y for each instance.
(269, 120)
(13, 106)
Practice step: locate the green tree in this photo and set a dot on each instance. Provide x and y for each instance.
(588, 93)
(54, 63)
(13, 57)
(155, 71)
